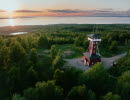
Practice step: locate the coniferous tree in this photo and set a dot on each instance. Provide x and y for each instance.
(53, 52)
(58, 61)
(59, 77)
(86, 44)
(18, 53)
(124, 85)
(14, 79)
(81, 93)
(18, 97)
(79, 41)
(71, 78)
(23, 42)
(110, 96)
(33, 56)
(5, 56)
(114, 46)
(43, 41)
(78, 93)
(43, 90)
(31, 77)
(96, 77)
(91, 95)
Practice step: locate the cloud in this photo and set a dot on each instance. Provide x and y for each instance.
(84, 12)
(104, 11)
(99, 11)
(109, 13)
(2, 11)
(72, 12)
(65, 11)
(27, 11)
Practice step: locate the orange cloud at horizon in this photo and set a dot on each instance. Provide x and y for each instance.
(23, 14)
(63, 12)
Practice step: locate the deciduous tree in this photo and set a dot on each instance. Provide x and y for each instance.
(124, 85)
(110, 96)
(43, 90)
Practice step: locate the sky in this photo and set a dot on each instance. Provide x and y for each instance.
(29, 8)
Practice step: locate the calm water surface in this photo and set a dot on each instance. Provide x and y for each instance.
(18, 33)
(64, 20)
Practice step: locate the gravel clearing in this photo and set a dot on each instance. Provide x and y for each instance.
(77, 63)
(106, 61)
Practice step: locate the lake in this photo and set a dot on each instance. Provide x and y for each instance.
(64, 20)
(18, 33)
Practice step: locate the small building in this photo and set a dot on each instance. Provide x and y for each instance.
(92, 57)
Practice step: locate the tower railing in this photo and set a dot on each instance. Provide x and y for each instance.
(94, 40)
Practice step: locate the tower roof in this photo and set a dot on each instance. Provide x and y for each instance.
(94, 35)
(93, 56)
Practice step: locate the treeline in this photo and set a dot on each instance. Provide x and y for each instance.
(121, 37)
(83, 28)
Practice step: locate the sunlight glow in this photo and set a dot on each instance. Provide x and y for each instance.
(12, 6)
(11, 22)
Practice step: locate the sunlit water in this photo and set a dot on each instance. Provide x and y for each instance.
(64, 20)
(18, 33)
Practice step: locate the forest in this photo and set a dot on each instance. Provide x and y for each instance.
(32, 66)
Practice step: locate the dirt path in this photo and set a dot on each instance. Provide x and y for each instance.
(106, 61)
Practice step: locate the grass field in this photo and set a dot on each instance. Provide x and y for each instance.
(74, 52)
(70, 52)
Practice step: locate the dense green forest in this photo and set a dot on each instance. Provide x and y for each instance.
(32, 66)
